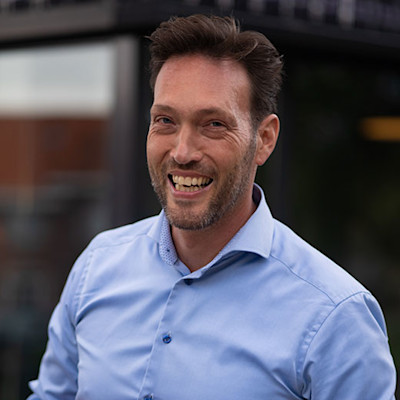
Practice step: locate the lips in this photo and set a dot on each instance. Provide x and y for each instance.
(189, 184)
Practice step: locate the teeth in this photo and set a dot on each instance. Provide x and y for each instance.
(181, 188)
(188, 184)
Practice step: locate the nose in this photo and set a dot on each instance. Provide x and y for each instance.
(186, 148)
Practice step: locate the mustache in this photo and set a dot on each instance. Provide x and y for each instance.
(193, 166)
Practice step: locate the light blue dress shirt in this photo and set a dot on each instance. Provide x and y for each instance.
(270, 318)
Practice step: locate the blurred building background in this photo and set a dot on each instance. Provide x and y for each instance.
(74, 103)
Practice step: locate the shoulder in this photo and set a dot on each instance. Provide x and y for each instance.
(97, 261)
(344, 331)
(313, 268)
(124, 234)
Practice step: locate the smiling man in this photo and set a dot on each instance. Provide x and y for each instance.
(213, 298)
(203, 152)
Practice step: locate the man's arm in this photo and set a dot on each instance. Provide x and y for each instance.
(349, 357)
(58, 373)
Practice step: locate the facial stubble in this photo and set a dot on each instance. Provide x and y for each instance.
(228, 195)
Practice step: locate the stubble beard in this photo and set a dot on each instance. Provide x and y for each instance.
(230, 192)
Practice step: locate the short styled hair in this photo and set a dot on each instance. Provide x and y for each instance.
(221, 38)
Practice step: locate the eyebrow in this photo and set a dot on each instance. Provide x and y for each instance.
(161, 107)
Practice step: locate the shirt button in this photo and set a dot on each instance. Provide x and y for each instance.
(148, 397)
(167, 338)
(188, 281)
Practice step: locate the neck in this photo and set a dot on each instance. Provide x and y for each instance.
(197, 248)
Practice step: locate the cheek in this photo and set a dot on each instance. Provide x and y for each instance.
(149, 149)
(154, 148)
(242, 148)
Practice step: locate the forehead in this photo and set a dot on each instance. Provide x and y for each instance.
(197, 77)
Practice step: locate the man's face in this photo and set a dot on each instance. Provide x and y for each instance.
(200, 146)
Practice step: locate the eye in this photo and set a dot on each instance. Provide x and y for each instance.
(216, 124)
(163, 120)
(162, 124)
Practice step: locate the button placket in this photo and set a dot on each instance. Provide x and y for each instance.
(159, 353)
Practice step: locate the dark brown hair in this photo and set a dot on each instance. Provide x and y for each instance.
(221, 38)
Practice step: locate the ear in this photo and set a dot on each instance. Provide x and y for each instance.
(267, 136)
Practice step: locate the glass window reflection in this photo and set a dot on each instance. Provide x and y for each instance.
(55, 112)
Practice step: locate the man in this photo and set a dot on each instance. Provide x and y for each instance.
(213, 298)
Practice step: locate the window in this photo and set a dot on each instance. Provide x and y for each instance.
(56, 108)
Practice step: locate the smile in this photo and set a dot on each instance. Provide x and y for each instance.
(189, 184)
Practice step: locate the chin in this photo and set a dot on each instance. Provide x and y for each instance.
(189, 220)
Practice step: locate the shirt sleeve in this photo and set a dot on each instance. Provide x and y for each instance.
(349, 357)
(58, 374)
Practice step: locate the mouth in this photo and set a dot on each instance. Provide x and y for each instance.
(188, 183)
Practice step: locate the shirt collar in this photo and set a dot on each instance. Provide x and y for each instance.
(255, 236)
(160, 232)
